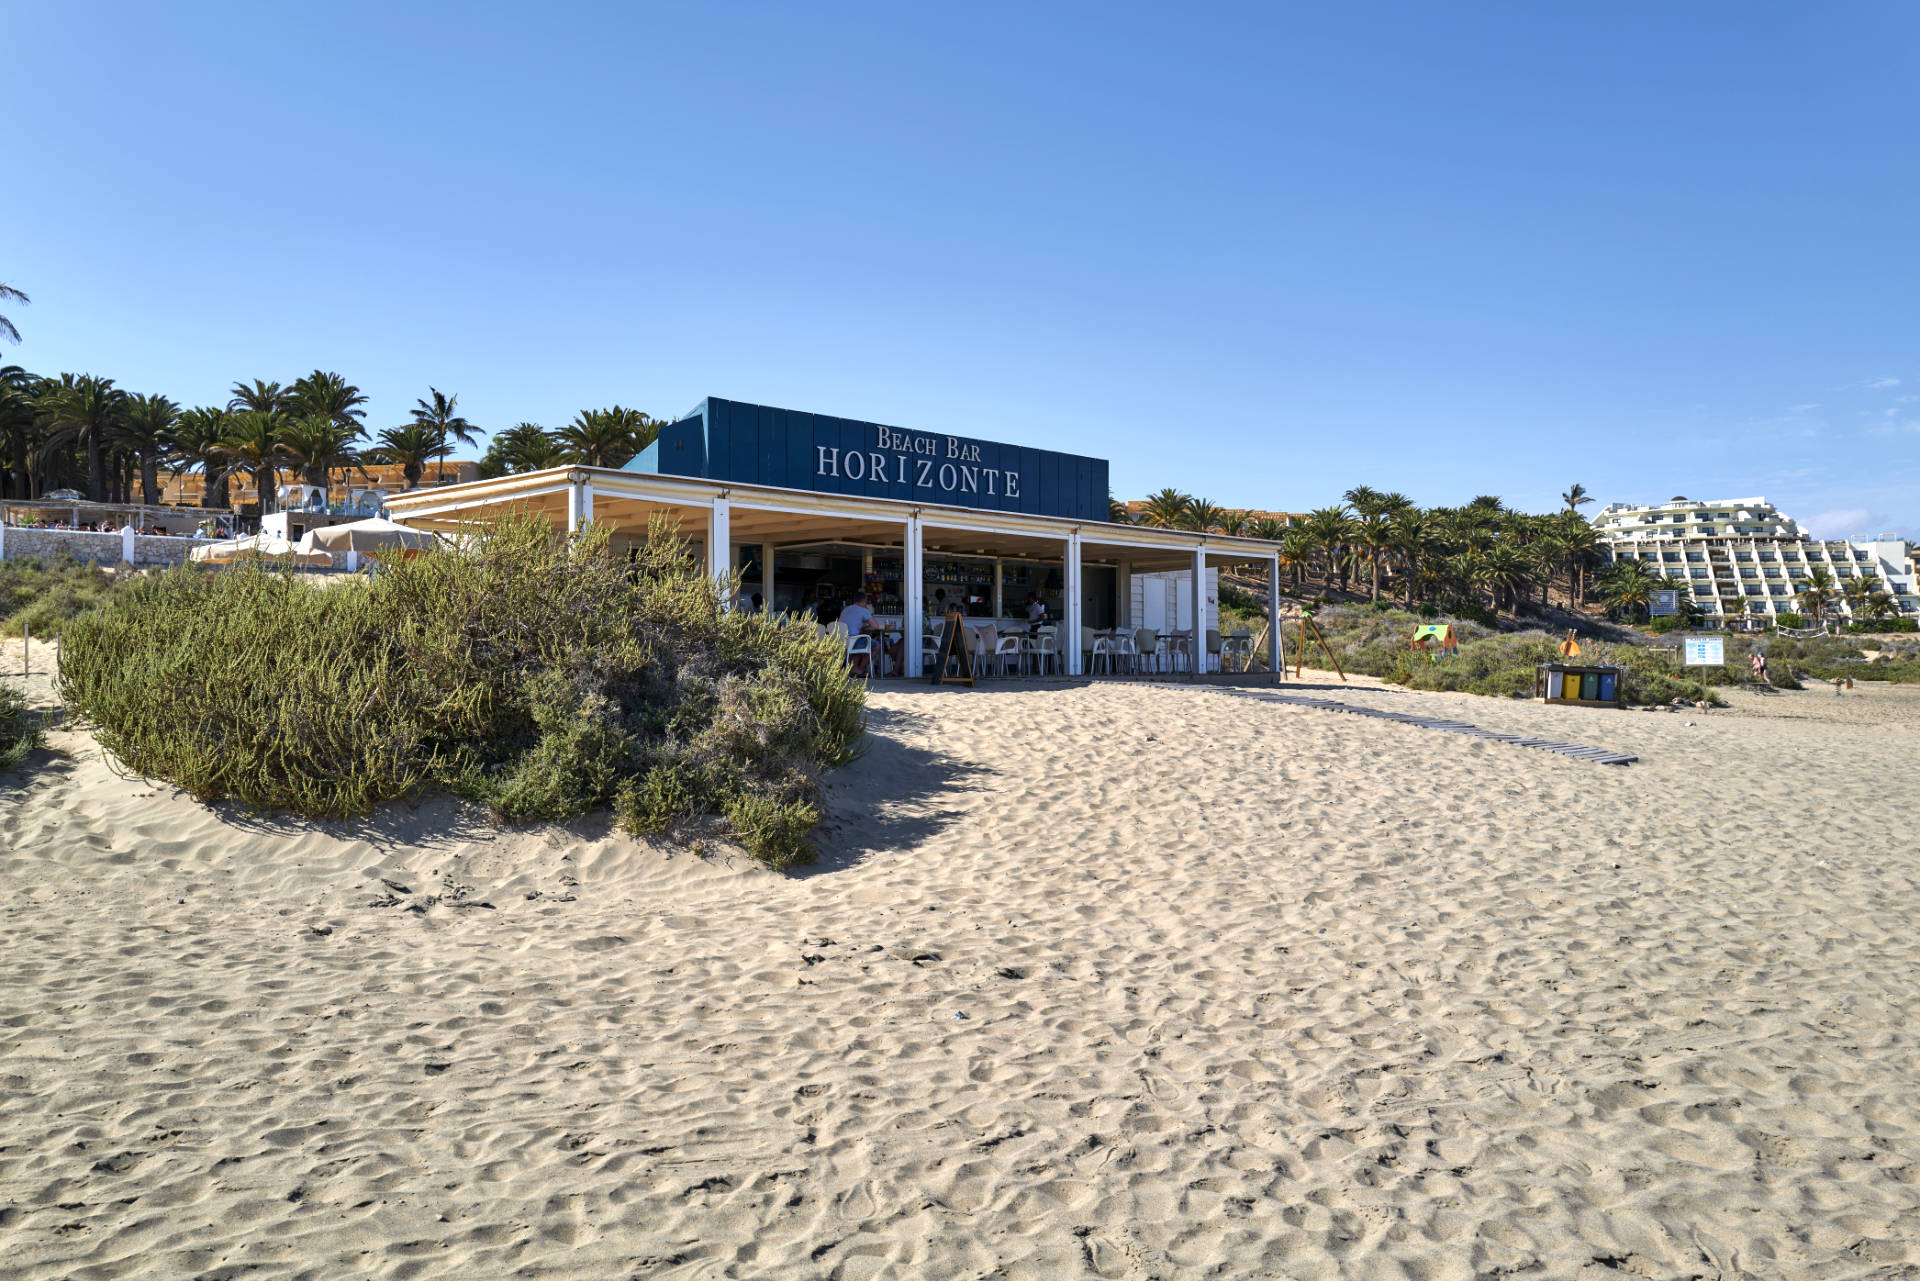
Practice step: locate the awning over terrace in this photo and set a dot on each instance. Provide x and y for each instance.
(722, 517)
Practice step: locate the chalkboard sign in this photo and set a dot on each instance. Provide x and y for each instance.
(953, 648)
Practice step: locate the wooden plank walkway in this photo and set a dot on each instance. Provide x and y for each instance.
(1598, 755)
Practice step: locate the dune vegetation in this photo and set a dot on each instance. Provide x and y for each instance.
(19, 728)
(38, 596)
(543, 677)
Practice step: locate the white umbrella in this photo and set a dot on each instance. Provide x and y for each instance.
(367, 536)
(233, 549)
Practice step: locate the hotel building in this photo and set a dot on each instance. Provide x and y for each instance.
(1742, 555)
(798, 503)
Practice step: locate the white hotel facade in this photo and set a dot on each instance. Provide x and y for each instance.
(1745, 550)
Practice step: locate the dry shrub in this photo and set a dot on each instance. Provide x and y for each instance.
(19, 728)
(543, 676)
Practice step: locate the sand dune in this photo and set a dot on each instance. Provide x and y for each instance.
(1117, 981)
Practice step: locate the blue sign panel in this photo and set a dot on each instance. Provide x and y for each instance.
(727, 440)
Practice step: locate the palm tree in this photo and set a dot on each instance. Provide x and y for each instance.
(86, 411)
(1503, 572)
(603, 437)
(1627, 587)
(1233, 523)
(1117, 513)
(1267, 530)
(439, 417)
(328, 396)
(9, 294)
(1296, 549)
(316, 445)
(1331, 529)
(1818, 596)
(18, 432)
(411, 446)
(194, 445)
(252, 444)
(1201, 515)
(1374, 536)
(1579, 547)
(258, 397)
(1859, 591)
(1165, 508)
(521, 448)
(146, 429)
(1414, 536)
(1365, 501)
(1574, 497)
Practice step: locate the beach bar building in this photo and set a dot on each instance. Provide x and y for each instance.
(922, 521)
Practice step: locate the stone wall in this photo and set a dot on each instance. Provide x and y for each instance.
(23, 542)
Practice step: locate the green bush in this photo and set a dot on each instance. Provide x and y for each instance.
(541, 676)
(1884, 627)
(40, 596)
(1667, 623)
(1501, 664)
(1788, 619)
(19, 728)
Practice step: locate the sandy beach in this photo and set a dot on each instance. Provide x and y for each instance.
(1128, 981)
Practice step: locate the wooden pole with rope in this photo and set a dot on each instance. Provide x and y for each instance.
(1300, 654)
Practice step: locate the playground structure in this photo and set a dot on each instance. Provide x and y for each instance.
(1435, 640)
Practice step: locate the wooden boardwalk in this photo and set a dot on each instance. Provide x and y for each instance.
(1598, 755)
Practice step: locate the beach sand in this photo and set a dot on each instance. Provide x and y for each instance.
(1117, 980)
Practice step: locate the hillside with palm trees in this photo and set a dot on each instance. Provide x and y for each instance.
(1379, 546)
(114, 446)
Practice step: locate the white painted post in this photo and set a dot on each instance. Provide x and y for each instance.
(1199, 609)
(586, 503)
(766, 577)
(719, 538)
(998, 602)
(1276, 655)
(126, 543)
(3, 535)
(911, 592)
(573, 507)
(1069, 647)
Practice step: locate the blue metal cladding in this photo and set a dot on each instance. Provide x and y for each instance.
(728, 440)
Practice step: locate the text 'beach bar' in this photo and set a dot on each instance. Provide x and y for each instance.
(922, 521)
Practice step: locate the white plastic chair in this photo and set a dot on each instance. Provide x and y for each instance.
(1101, 652)
(862, 645)
(1039, 651)
(1006, 653)
(1237, 648)
(1147, 648)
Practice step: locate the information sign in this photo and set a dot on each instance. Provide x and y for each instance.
(1705, 651)
(1666, 603)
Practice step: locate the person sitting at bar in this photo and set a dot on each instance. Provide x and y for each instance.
(1036, 612)
(857, 618)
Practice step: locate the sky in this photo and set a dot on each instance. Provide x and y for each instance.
(1261, 254)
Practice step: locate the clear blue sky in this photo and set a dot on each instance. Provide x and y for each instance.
(1262, 255)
